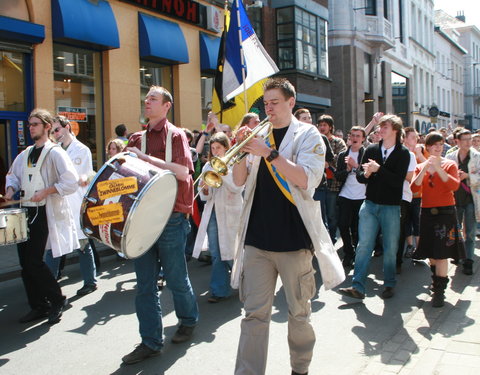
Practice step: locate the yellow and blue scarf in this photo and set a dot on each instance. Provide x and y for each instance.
(276, 175)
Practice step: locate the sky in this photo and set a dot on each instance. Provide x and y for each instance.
(471, 9)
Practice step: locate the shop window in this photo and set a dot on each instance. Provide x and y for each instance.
(78, 95)
(153, 74)
(12, 82)
(302, 41)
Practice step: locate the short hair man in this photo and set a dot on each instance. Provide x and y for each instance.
(467, 200)
(150, 145)
(352, 193)
(279, 227)
(44, 175)
(121, 132)
(81, 157)
(384, 168)
(325, 125)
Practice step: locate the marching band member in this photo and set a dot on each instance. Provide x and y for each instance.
(223, 205)
(280, 230)
(81, 157)
(165, 146)
(45, 175)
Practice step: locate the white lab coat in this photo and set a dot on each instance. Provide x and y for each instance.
(304, 146)
(57, 170)
(228, 201)
(81, 157)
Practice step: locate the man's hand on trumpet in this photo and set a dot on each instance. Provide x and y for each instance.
(256, 146)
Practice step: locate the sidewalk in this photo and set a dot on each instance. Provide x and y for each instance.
(437, 340)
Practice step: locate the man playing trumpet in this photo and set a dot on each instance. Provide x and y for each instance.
(280, 230)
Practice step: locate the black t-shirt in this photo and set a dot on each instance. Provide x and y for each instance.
(275, 223)
(34, 155)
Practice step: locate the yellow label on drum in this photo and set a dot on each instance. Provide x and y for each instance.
(110, 213)
(119, 186)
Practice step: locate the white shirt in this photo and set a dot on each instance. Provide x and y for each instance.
(407, 194)
(352, 189)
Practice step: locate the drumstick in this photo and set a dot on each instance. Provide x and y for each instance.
(9, 203)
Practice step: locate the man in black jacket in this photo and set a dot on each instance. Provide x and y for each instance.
(352, 193)
(384, 167)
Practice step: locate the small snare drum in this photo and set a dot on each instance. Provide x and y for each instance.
(13, 226)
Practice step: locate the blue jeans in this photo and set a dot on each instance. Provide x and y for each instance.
(169, 252)
(332, 214)
(220, 279)
(86, 260)
(466, 216)
(372, 217)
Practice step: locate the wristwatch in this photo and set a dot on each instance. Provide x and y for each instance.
(273, 155)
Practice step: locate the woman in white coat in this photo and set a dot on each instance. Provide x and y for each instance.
(223, 205)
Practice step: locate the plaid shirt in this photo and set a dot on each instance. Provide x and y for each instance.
(338, 146)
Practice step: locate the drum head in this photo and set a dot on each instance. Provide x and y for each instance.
(149, 215)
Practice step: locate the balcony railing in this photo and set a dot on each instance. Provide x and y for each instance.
(379, 30)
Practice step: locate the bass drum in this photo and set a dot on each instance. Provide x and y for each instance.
(127, 204)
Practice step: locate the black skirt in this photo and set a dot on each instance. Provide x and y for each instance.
(440, 235)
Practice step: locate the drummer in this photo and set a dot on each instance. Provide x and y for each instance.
(165, 146)
(44, 175)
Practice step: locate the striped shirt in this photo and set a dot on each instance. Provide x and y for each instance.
(156, 146)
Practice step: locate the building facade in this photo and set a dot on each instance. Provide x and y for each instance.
(94, 60)
(469, 38)
(449, 79)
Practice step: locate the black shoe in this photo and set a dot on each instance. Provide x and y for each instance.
(409, 251)
(298, 373)
(183, 334)
(205, 258)
(351, 292)
(56, 312)
(140, 353)
(86, 289)
(216, 299)
(388, 292)
(35, 314)
(467, 267)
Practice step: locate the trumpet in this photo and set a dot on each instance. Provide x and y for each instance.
(233, 156)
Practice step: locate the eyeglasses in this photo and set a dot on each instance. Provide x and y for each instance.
(430, 181)
(384, 155)
(56, 130)
(34, 124)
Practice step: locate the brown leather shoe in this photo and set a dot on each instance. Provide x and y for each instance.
(351, 292)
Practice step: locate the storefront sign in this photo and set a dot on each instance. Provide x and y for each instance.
(73, 113)
(186, 10)
(21, 133)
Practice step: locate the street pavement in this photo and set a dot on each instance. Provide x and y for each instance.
(403, 335)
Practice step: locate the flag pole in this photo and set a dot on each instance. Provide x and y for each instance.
(242, 58)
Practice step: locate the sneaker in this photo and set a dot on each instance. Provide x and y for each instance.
(56, 312)
(34, 314)
(351, 292)
(86, 289)
(387, 292)
(409, 251)
(183, 334)
(140, 353)
(216, 299)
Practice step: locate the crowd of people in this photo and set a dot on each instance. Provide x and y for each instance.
(385, 190)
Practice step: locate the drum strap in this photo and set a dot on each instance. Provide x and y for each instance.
(168, 150)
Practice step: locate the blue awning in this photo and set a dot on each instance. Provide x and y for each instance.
(161, 40)
(209, 47)
(85, 23)
(21, 31)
